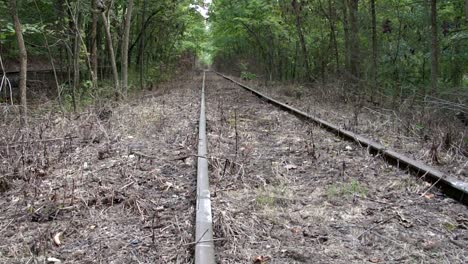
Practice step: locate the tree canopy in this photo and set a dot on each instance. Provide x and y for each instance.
(383, 45)
(386, 48)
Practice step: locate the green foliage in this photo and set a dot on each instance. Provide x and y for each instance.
(346, 189)
(449, 226)
(265, 200)
(248, 76)
(266, 35)
(258, 38)
(272, 196)
(174, 32)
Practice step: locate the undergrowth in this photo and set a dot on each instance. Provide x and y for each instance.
(346, 189)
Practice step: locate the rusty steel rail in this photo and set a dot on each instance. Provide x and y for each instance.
(204, 247)
(452, 187)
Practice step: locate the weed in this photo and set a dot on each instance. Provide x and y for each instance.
(419, 127)
(355, 188)
(248, 76)
(272, 196)
(332, 191)
(449, 226)
(265, 200)
(346, 189)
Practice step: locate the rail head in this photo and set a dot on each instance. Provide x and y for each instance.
(204, 247)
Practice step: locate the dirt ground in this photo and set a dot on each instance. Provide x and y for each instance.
(435, 138)
(120, 188)
(117, 185)
(289, 192)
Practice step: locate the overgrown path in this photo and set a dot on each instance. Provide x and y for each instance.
(291, 192)
(120, 191)
(118, 186)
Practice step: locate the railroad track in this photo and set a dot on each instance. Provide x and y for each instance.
(204, 248)
(454, 188)
(205, 237)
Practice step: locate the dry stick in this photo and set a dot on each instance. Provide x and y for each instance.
(73, 192)
(212, 240)
(430, 187)
(225, 166)
(6, 226)
(139, 210)
(235, 128)
(374, 226)
(5, 80)
(35, 141)
(374, 200)
(141, 155)
(152, 228)
(200, 240)
(222, 176)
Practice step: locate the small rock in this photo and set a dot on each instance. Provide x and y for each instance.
(134, 242)
(349, 148)
(51, 260)
(290, 167)
(430, 244)
(463, 172)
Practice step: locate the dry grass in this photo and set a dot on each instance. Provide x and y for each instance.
(115, 184)
(284, 208)
(426, 129)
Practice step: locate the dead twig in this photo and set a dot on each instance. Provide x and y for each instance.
(374, 226)
(3, 145)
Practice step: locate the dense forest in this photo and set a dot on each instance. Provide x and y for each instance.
(100, 49)
(91, 49)
(390, 48)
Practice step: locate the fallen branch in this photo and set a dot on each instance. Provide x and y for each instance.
(3, 145)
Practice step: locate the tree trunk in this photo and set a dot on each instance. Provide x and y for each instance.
(142, 43)
(125, 41)
(23, 58)
(94, 56)
(302, 39)
(374, 48)
(434, 47)
(354, 48)
(332, 20)
(263, 51)
(52, 62)
(76, 57)
(138, 40)
(466, 12)
(346, 37)
(115, 74)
